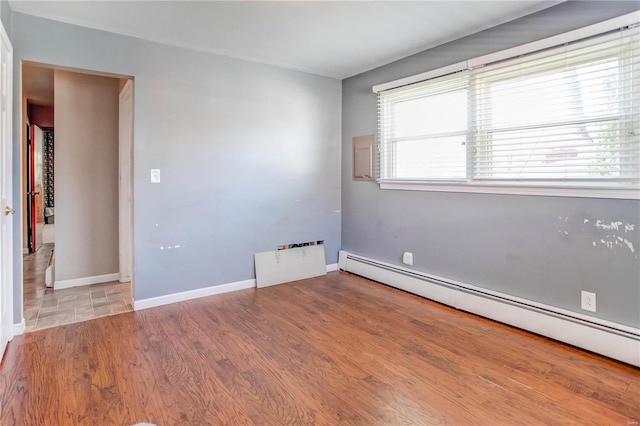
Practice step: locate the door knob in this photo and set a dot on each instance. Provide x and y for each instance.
(8, 210)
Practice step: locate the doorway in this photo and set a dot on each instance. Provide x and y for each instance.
(39, 197)
(73, 171)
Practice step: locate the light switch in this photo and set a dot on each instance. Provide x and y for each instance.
(155, 175)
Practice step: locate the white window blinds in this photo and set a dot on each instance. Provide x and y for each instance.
(413, 144)
(568, 115)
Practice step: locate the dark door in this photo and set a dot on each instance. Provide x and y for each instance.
(35, 207)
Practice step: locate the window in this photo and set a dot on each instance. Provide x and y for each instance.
(417, 147)
(563, 117)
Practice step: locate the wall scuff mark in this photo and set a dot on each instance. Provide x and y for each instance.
(612, 241)
(613, 225)
(612, 234)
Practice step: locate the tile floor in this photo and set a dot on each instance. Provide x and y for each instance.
(45, 307)
(49, 233)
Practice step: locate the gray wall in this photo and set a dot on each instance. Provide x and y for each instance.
(249, 154)
(5, 15)
(537, 248)
(86, 175)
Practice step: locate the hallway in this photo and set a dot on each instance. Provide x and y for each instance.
(45, 307)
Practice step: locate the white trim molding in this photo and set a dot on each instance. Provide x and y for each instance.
(557, 40)
(152, 302)
(617, 341)
(449, 69)
(125, 187)
(18, 328)
(332, 267)
(632, 193)
(77, 282)
(580, 33)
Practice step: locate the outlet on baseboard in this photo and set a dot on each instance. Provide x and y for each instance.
(588, 301)
(407, 258)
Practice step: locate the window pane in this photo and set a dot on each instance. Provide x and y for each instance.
(433, 158)
(565, 123)
(442, 113)
(561, 117)
(442, 156)
(564, 95)
(575, 151)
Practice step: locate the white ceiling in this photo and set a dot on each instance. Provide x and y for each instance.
(332, 38)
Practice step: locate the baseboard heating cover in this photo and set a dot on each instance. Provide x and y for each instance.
(607, 338)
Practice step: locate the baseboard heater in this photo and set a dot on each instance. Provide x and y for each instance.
(614, 340)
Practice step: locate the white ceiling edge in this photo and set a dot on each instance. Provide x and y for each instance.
(222, 52)
(532, 10)
(160, 40)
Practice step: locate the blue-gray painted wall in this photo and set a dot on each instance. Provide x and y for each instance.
(229, 137)
(249, 154)
(533, 247)
(5, 15)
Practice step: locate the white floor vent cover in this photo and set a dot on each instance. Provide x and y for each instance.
(282, 266)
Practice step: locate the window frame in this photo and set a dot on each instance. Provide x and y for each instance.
(456, 83)
(516, 186)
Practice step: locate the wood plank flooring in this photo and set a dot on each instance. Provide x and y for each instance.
(332, 350)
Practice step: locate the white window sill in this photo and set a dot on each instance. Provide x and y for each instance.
(631, 193)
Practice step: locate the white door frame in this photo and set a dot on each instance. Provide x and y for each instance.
(6, 190)
(125, 191)
(19, 328)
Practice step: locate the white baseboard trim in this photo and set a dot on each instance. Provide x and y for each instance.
(607, 338)
(192, 294)
(332, 267)
(202, 292)
(18, 329)
(77, 282)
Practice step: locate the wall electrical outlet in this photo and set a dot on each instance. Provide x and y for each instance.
(588, 301)
(407, 258)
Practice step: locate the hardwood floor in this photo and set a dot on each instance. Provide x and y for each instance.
(330, 350)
